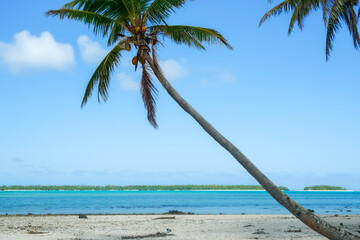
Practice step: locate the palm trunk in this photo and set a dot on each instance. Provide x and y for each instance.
(314, 222)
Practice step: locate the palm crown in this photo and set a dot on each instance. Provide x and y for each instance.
(134, 24)
(334, 13)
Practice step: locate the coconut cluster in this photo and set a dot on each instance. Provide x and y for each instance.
(142, 29)
(149, 39)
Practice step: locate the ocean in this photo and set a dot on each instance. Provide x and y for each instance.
(198, 202)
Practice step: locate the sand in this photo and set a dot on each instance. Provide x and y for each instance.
(184, 227)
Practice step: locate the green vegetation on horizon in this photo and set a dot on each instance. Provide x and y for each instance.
(135, 187)
(324, 187)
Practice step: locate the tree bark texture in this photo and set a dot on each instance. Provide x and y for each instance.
(307, 217)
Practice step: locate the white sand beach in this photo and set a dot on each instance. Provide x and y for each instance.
(184, 227)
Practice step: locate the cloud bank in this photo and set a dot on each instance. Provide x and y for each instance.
(32, 52)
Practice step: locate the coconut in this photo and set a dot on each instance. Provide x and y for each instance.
(137, 29)
(143, 29)
(127, 46)
(135, 60)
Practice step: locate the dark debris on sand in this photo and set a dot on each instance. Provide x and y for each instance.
(158, 234)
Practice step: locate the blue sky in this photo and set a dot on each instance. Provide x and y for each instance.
(274, 96)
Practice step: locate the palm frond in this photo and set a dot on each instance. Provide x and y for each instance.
(99, 23)
(326, 6)
(342, 10)
(114, 33)
(304, 7)
(114, 9)
(159, 10)
(293, 20)
(285, 6)
(149, 92)
(77, 4)
(96, 6)
(141, 6)
(101, 76)
(107, 8)
(300, 9)
(352, 24)
(129, 7)
(191, 36)
(335, 15)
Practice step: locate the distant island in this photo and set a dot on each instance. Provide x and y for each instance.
(324, 188)
(134, 187)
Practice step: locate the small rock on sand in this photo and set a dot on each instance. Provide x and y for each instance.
(260, 231)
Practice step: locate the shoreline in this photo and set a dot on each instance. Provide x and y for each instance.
(341, 214)
(165, 226)
(203, 190)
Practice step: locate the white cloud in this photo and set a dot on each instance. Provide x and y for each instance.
(172, 69)
(227, 76)
(127, 82)
(43, 52)
(91, 52)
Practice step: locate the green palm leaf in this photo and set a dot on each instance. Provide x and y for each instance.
(351, 20)
(97, 6)
(101, 76)
(114, 33)
(326, 6)
(341, 10)
(128, 5)
(191, 36)
(159, 10)
(293, 20)
(304, 8)
(333, 24)
(334, 12)
(300, 8)
(284, 6)
(140, 7)
(99, 22)
(114, 9)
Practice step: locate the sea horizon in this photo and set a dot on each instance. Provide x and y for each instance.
(161, 201)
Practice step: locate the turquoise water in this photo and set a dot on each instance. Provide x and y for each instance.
(201, 202)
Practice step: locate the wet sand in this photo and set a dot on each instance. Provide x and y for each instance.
(181, 227)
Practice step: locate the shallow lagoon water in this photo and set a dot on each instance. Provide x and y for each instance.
(199, 202)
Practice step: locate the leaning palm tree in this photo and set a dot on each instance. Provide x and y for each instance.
(137, 25)
(334, 13)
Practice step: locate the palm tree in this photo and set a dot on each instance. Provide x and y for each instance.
(334, 13)
(138, 24)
